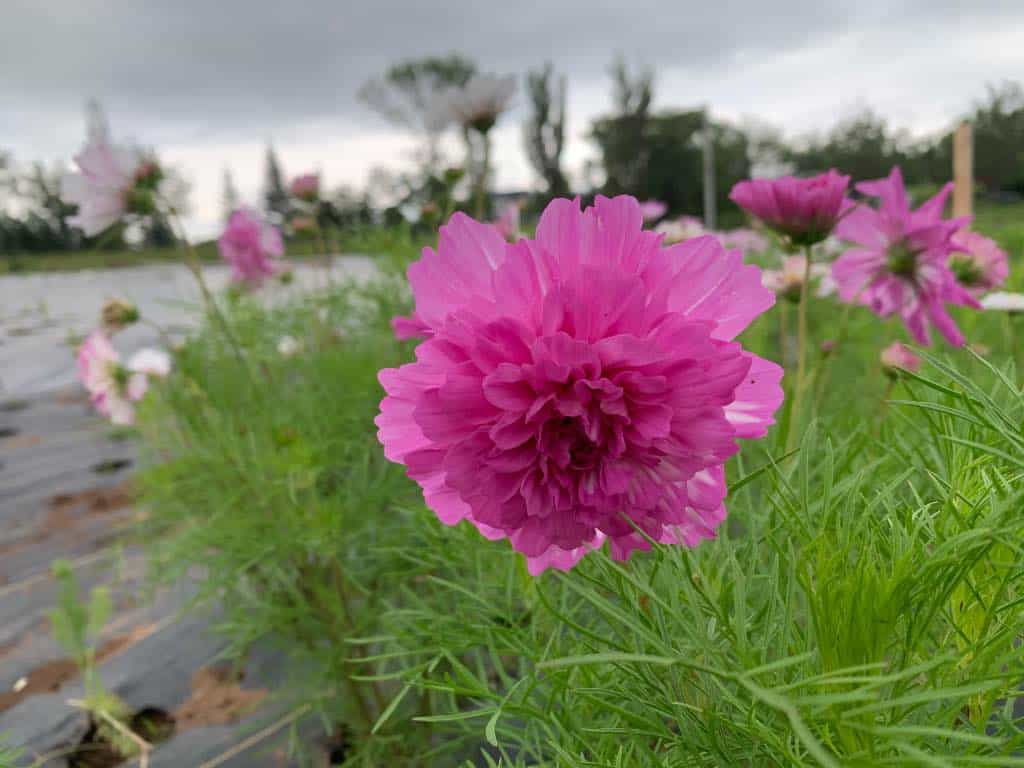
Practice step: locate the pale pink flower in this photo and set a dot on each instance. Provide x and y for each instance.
(578, 384)
(104, 187)
(652, 210)
(746, 240)
(115, 388)
(508, 222)
(306, 187)
(251, 246)
(789, 280)
(978, 263)
(804, 210)
(897, 357)
(899, 264)
(479, 102)
(683, 228)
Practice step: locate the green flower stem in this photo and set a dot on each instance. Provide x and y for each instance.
(801, 363)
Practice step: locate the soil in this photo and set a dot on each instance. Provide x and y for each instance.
(93, 751)
(18, 442)
(95, 500)
(217, 698)
(49, 677)
(110, 466)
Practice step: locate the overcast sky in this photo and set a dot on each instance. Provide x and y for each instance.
(209, 82)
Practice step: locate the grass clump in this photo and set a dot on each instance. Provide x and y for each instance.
(862, 607)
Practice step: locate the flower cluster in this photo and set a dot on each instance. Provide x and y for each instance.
(580, 387)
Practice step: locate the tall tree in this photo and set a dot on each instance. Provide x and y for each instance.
(623, 138)
(411, 95)
(544, 131)
(229, 195)
(275, 195)
(96, 125)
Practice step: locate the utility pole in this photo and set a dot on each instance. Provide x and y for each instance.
(709, 171)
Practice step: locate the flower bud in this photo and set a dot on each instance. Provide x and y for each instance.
(117, 314)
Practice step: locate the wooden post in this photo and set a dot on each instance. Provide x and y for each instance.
(963, 170)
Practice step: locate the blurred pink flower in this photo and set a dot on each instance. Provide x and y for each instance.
(804, 210)
(978, 263)
(747, 240)
(507, 223)
(789, 280)
(900, 262)
(115, 388)
(898, 356)
(103, 186)
(251, 246)
(652, 210)
(306, 187)
(683, 228)
(580, 383)
(479, 102)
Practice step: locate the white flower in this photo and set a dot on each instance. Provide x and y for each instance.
(1003, 301)
(479, 102)
(102, 186)
(288, 346)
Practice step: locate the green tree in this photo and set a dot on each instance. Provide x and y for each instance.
(544, 130)
(410, 93)
(275, 196)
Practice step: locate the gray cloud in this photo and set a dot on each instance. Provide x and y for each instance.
(218, 67)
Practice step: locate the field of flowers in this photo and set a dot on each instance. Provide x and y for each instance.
(604, 488)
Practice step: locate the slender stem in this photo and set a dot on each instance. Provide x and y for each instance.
(844, 328)
(378, 696)
(801, 362)
(195, 266)
(481, 189)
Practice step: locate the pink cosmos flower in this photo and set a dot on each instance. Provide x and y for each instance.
(507, 223)
(978, 263)
(900, 262)
(103, 186)
(580, 383)
(897, 357)
(251, 246)
(306, 187)
(804, 210)
(115, 388)
(410, 327)
(652, 210)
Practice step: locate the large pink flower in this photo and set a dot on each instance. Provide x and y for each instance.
(804, 210)
(978, 263)
(900, 262)
(115, 388)
(104, 184)
(579, 385)
(251, 246)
